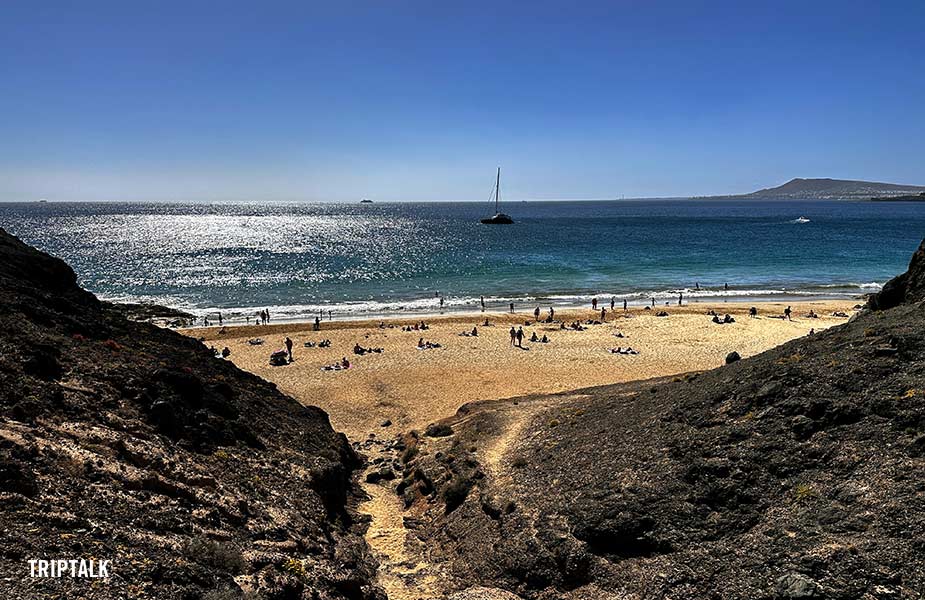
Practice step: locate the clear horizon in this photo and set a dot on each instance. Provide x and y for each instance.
(298, 102)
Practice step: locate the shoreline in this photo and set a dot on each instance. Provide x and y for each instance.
(235, 318)
(408, 387)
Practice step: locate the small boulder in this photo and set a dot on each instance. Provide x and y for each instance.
(438, 430)
(795, 585)
(732, 357)
(770, 389)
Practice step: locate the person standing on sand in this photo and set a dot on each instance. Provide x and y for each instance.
(220, 318)
(267, 311)
(536, 313)
(482, 300)
(513, 336)
(512, 308)
(593, 303)
(680, 298)
(613, 301)
(289, 348)
(653, 302)
(520, 337)
(317, 324)
(787, 312)
(624, 305)
(603, 315)
(441, 303)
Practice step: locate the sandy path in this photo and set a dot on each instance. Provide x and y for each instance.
(403, 572)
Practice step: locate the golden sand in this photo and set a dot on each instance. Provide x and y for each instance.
(412, 387)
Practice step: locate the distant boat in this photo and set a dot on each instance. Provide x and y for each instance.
(43, 201)
(801, 220)
(366, 201)
(499, 217)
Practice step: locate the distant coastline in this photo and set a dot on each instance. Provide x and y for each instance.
(903, 198)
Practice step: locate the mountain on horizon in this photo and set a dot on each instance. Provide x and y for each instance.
(835, 188)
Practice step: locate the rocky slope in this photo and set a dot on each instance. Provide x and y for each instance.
(123, 441)
(797, 473)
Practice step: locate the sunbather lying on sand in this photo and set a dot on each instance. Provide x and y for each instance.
(338, 366)
(626, 350)
(358, 349)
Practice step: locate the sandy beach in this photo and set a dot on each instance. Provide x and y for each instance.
(412, 387)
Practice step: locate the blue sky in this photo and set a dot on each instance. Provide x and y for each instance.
(422, 100)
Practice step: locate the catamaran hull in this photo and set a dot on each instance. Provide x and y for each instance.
(498, 220)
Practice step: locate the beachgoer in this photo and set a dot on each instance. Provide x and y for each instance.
(289, 348)
(482, 300)
(545, 339)
(624, 305)
(520, 337)
(593, 303)
(267, 311)
(226, 352)
(475, 332)
(441, 302)
(552, 313)
(345, 363)
(536, 313)
(604, 314)
(533, 337)
(317, 324)
(513, 336)
(753, 312)
(680, 298)
(726, 287)
(219, 318)
(653, 302)
(787, 312)
(612, 302)
(512, 308)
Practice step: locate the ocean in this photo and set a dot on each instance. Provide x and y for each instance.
(374, 259)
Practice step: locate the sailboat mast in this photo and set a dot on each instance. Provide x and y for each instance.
(497, 188)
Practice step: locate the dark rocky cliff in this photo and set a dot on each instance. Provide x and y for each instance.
(797, 473)
(123, 441)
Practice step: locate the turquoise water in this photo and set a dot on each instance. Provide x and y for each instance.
(370, 259)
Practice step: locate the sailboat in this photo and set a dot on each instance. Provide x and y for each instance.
(499, 218)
